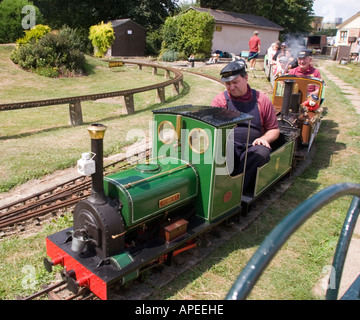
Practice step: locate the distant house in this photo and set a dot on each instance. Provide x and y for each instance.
(130, 39)
(348, 33)
(233, 31)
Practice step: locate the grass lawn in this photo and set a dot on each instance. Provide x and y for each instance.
(39, 141)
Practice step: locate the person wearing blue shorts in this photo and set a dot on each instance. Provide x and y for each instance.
(254, 49)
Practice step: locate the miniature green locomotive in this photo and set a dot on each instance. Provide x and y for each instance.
(148, 214)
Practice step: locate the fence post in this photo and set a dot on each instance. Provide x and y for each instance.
(160, 95)
(181, 84)
(129, 104)
(167, 74)
(76, 118)
(154, 71)
(176, 90)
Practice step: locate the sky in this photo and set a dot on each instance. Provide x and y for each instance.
(331, 9)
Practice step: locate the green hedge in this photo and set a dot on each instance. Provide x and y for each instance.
(189, 33)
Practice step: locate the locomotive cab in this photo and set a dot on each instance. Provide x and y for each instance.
(200, 135)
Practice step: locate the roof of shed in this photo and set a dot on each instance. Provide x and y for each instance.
(119, 22)
(240, 19)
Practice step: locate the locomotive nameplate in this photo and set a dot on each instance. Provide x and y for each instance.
(168, 200)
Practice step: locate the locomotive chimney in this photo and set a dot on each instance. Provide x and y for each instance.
(287, 97)
(97, 132)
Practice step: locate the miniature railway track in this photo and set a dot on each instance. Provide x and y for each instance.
(153, 283)
(55, 198)
(178, 77)
(41, 203)
(58, 291)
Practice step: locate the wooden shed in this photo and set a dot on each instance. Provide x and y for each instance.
(130, 39)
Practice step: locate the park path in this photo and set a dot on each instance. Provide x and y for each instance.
(351, 93)
(352, 263)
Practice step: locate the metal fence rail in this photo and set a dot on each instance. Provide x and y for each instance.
(280, 234)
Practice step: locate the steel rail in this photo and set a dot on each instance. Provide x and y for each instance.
(46, 290)
(70, 192)
(287, 227)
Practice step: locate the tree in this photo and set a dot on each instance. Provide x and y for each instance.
(189, 33)
(293, 15)
(13, 22)
(82, 14)
(150, 14)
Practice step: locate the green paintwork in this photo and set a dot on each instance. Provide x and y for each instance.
(141, 191)
(219, 193)
(280, 163)
(120, 261)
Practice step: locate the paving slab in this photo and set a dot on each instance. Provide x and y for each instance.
(351, 93)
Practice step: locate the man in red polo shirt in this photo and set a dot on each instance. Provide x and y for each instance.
(264, 127)
(305, 69)
(254, 49)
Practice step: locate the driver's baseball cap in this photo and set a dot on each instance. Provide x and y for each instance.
(233, 70)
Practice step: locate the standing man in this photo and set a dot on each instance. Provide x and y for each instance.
(263, 127)
(254, 49)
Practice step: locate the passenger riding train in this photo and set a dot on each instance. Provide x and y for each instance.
(145, 216)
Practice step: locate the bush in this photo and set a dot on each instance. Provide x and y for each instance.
(169, 56)
(153, 42)
(189, 33)
(55, 54)
(34, 34)
(102, 36)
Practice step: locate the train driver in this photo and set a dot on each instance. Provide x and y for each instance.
(305, 69)
(264, 126)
